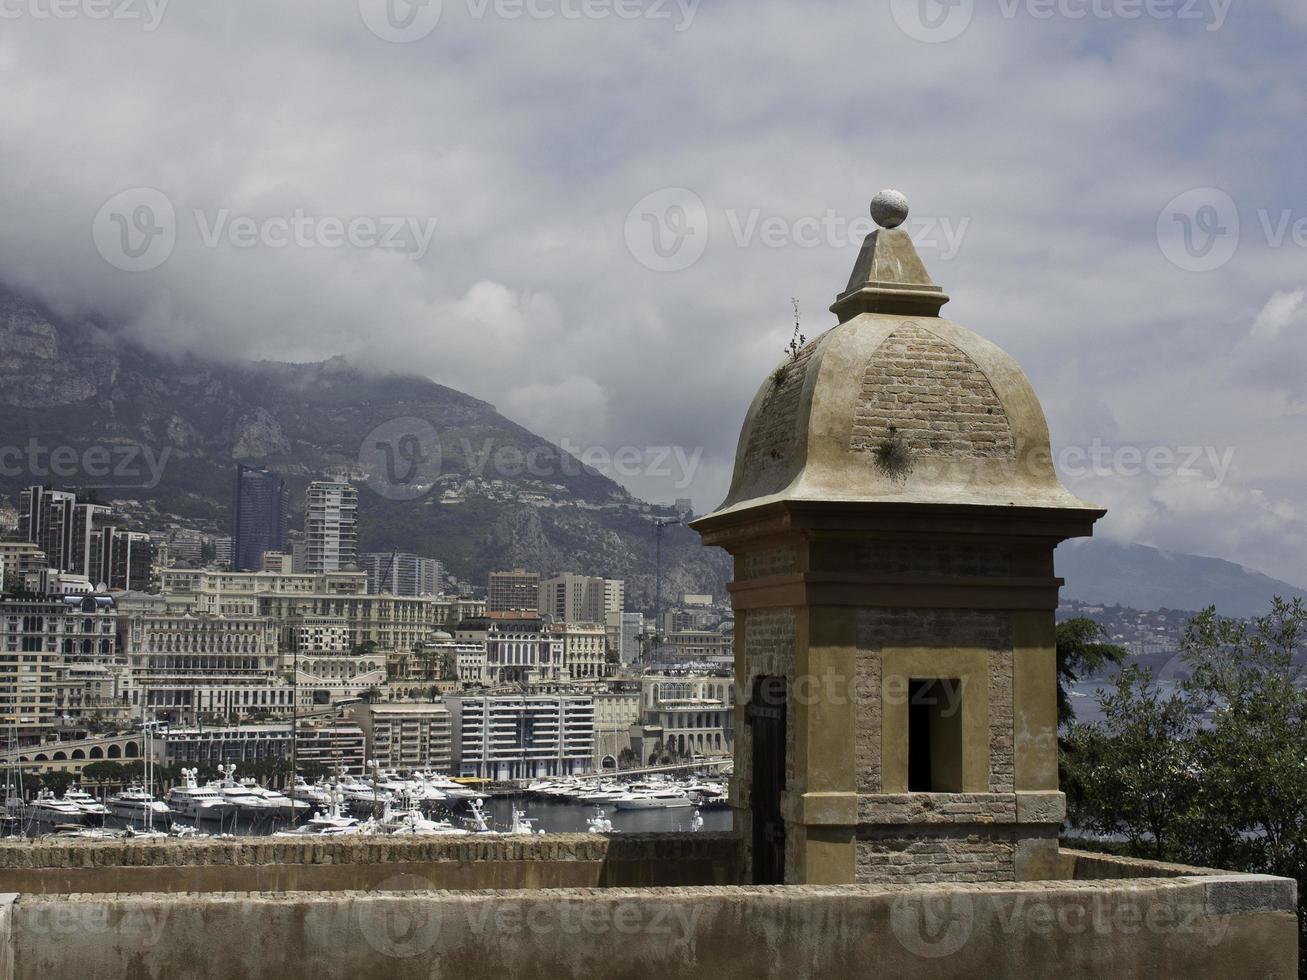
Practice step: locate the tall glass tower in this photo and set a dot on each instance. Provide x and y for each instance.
(260, 508)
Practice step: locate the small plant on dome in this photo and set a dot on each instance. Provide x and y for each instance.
(797, 340)
(893, 456)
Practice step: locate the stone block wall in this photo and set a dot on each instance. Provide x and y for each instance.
(931, 395)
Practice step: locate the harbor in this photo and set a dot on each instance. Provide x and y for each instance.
(388, 803)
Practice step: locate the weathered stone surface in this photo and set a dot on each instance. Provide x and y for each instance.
(922, 390)
(1127, 930)
(475, 861)
(938, 808)
(934, 855)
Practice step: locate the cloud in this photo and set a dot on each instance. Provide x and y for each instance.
(1052, 145)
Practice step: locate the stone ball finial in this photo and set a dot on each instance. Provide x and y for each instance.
(889, 209)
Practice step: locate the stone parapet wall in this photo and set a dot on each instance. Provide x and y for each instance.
(1196, 927)
(345, 862)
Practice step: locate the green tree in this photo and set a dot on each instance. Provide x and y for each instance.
(1132, 774)
(56, 781)
(1081, 653)
(1214, 773)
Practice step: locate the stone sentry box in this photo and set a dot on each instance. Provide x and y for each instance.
(892, 517)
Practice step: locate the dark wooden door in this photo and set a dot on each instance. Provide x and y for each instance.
(766, 718)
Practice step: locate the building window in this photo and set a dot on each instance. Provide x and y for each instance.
(935, 736)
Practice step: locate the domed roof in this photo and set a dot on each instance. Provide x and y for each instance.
(896, 405)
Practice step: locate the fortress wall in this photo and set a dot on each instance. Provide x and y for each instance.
(278, 864)
(1195, 926)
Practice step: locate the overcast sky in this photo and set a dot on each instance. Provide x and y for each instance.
(1115, 191)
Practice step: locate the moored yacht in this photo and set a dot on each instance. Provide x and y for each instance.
(138, 805)
(95, 810)
(652, 799)
(198, 802)
(46, 809)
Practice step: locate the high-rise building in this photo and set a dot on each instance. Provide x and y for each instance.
(624, 631)
(126, 560)
(515, 591)
(572, 598)
(401, 574)
(68, 531)
(331, 513)
(260, 509)
(222, 545)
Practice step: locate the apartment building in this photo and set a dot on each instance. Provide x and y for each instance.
(407, 735)
(572, 598)
(184, 664)
(331, 513)
(402, 574)
(40, 639)
(515, 591)
(585, 649)
(522, 736)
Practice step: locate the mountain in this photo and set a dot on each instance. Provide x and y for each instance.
(86, 408)
(1109, 573)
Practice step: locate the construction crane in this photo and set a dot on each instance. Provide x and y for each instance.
(660, 524)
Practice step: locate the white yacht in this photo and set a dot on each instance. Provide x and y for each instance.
(95, 810)
(331, 821)
(360, 792)
(315, 794)
(46, 809)
(406, 818)
(447, 788)
(599, 823)
(198, 802)
(652, 799)
(138, 805)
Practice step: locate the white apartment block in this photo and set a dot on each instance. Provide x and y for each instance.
(331, 513)
(522, 737)
(402, 574)
(572, 598)
(407, 736)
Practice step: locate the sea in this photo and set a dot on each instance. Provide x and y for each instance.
(555, 817)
